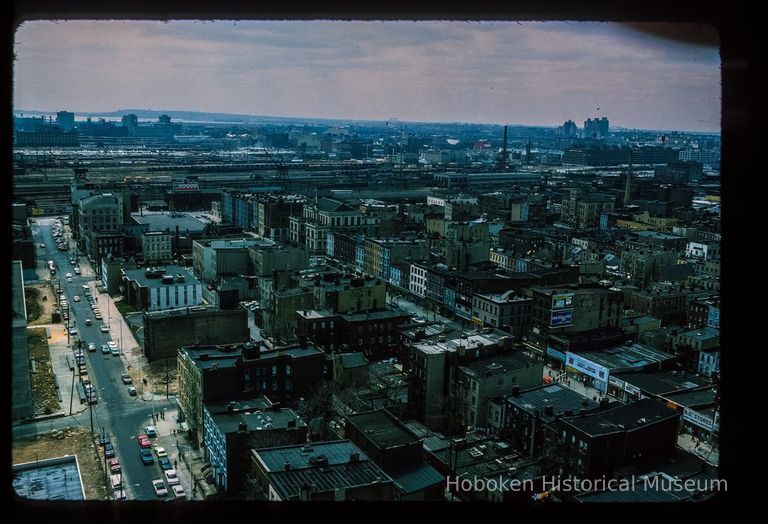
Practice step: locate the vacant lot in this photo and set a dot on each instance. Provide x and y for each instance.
(43, 386)
(70, 441)
(40, 302)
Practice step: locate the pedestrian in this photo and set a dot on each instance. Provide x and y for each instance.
(175, 464)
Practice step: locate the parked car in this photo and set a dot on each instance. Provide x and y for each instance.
(103, 328)
(160, 451)
(115, 351)
(170, 477)
(103, 438)
(114, 465)
(77, 271)
(104, 349)
(109, 450)
(150, 431)
(178, 492)
(132, 391)
(160, 488)
(165, 463)
(146, 456)
(144, 441)
(73, 330)
(126, 378)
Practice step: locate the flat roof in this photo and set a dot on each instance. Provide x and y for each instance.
(257, 420)
(381, 429)
(662, 382)
(353, 360)
(497, 364)
(379, 314)
(621, 418)
(561, 399)
(49, 479)
(626, 357)
(159, 221)
(416, 477)
(315, 313)
(689, 399)
(139, 275)
(705, 333)
(288, 484)
(472, 341)
(298, 455)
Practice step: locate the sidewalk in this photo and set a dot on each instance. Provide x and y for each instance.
(187, 461)
(574, 384)
(59, 350)
(710, 453)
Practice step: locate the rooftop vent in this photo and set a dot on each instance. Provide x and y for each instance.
(318, 461)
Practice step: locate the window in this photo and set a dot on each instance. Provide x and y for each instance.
(274, 371)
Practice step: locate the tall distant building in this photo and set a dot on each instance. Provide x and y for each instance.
(130, 120)
(568, 129)
(596, 128)
(66, 120)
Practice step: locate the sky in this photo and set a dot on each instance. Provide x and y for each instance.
(517, 73)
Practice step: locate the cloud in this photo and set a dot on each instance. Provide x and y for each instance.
(537, 73)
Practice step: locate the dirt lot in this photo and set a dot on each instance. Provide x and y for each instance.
(43, 386)
(39, 310)
(155, 375)
(70, 441)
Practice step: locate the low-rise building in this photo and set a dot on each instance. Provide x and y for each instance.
(398, 451)
(595, 444)
(332, 471)
(154, 289)
(248, 370)
(507, 311)
(233, 429)
(156, 247)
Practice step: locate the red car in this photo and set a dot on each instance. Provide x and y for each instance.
(144, 441)
(114, 465)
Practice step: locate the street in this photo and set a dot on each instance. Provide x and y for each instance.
(121, 415)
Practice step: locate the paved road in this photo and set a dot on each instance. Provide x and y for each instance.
(121, 415)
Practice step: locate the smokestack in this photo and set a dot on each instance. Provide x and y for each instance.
(629, 179)
(504, 151)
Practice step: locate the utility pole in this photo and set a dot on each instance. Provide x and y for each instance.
(72, 393)
(90, 409)
(167, 381)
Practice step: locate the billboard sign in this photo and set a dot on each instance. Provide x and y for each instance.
(558, 355)
(186, 186)
(562, 301)
(561, 318)
(699, 419)
(587, 367)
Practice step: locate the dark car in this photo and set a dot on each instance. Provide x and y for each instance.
(109, 450)
(103, 439)
(165, 463)
(146, 456)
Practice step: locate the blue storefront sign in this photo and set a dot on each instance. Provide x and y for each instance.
(561, 318)
(557, 355)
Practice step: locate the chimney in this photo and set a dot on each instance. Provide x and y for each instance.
(549, 410)
(287, 466)
(515, 391)
(242, 426)
(354, 456)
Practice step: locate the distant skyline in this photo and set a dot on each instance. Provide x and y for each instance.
(527, 73)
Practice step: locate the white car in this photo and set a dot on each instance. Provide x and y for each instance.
(178, 492)
(160, 488)
(69, 275)
(103, 328)
(76, 299)
(73, 331)
(170, 477)
(112, 344)
(69, 280)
